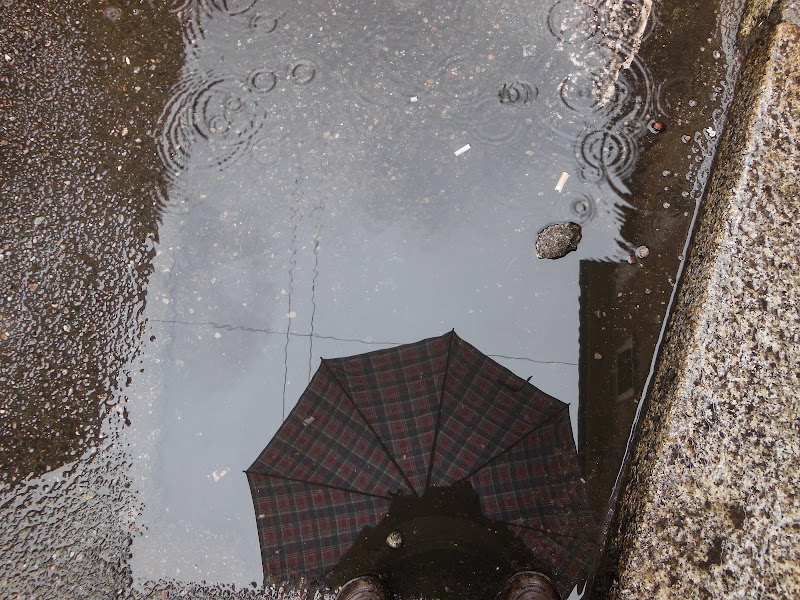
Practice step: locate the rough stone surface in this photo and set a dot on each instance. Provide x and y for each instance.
(759, 15)
(790, 11)
(556, 241)
(711, 508)
(756, 13)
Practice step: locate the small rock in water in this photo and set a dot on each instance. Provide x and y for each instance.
(112, 13)
(556, 241)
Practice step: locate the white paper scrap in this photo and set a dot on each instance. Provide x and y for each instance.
(461, 150)
(220, 473)
(562, 181)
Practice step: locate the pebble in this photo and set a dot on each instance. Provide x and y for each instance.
(112, 13)
(556, 241)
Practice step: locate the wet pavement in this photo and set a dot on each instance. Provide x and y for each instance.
(206, 200)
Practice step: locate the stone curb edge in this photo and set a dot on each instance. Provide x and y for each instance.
(673, 525)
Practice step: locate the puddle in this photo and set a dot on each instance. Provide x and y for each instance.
(318, 181)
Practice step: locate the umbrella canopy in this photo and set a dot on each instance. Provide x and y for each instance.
(404, 421)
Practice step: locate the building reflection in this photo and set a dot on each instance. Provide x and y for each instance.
(616, 347)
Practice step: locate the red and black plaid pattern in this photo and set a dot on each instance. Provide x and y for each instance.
(536, 488)
(303, 530)
(398, 391)
(319, 481)
(485, 409)
(365, 428)
(325, 441)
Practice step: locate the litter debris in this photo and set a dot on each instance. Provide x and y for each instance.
(413, 99)
(562, 181)
(642, 252)
(461, 150)
(710, 132)
(220, 473)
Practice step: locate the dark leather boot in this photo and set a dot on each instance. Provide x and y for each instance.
(363, 588)
(529, 585)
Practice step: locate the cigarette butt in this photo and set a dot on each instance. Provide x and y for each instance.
(414, 98)
(562, 181)
(461, 150)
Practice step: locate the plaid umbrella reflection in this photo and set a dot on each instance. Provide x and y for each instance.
(403, 423)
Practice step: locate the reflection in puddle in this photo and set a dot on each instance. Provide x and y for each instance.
(318, 206)
(316, 156)
(396, 433)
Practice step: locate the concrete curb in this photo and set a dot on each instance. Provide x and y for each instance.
(709, 508)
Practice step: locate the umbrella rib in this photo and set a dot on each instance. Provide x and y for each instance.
(319, 484)
(507, 450)
(521, 439)
(439, 412)
(372, 430)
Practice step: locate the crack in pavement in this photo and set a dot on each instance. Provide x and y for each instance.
(230, 327)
